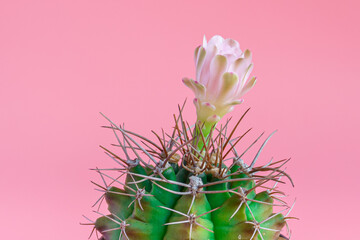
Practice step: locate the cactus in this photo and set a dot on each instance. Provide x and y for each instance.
(189, 193)
(192, 184)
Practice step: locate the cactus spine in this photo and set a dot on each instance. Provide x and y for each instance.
(189, 185)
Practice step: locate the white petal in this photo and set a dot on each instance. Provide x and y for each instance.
(232, 43)
(235, 102)
(203, 75)
(208, 105)
(200, 89)
(204, 42)
(188, 83)
(196, 102)
(217, 68)
(243, 80)
(200, 62)
(213, 119)
(247, 87)
(216, 41)
(246, 75)
(228, 87)
(196, 53)
(241, 65)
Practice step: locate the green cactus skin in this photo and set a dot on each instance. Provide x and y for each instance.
(181, 200)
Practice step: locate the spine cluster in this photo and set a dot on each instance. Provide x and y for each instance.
(190, 185)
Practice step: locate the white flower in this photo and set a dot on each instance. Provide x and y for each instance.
(222, 71)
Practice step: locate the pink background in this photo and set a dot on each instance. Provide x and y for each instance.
(61, 62)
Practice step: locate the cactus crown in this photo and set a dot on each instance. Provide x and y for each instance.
(190, 184)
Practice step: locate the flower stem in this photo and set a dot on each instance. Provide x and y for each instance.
(202, 132)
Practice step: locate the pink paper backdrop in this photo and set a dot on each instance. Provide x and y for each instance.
(61, 62)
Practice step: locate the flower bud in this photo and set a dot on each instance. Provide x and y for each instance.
(222, 72)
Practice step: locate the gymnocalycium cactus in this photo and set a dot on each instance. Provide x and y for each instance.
(193, 183)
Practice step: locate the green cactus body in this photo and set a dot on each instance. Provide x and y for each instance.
(190, 194)
(218, 198)
(184, 231)
(119, 205)
(131, 178)
(158, 190)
